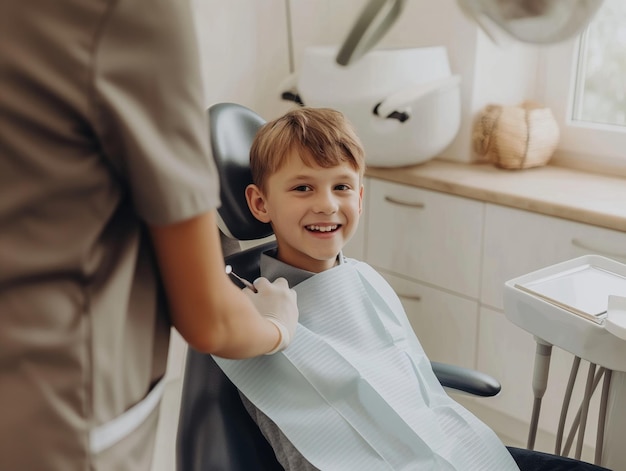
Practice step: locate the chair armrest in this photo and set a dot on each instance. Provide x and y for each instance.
(466, 380)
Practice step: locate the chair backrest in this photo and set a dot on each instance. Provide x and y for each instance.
(232, 128)
(215, 431)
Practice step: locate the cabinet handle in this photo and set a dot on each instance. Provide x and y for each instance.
(410, 297)
(581, 245)
(410, 204)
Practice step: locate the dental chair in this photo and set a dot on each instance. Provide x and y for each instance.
(215, 432)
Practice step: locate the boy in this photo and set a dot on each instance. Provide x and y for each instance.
(355, 389)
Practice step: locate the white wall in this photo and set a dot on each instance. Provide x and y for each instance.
(243, 47)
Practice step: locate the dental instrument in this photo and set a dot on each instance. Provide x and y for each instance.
(229, 271)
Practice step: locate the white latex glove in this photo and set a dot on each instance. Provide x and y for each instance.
(277, 303)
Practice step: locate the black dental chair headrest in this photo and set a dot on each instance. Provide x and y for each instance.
(232, 128)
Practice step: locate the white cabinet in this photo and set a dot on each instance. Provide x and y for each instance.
(507, 352)
(431, 237)
(427, 245)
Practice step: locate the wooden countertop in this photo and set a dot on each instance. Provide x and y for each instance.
(589, 198)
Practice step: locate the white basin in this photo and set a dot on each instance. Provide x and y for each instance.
(411, 83)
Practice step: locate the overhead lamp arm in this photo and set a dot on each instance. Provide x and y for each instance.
(529, 21)
(371, 25)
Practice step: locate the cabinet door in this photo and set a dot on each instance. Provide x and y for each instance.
(428, 236)
(518, 242)
(445, 324)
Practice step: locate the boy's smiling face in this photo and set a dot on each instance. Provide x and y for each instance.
(314, 211)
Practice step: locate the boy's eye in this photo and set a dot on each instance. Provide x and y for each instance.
(302, 188)
(342, 187)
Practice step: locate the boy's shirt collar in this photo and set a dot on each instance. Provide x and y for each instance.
(272, 268)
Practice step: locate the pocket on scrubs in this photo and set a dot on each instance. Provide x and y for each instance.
(127, 441)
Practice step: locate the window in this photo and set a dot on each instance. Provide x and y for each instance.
(583, 80)
(600, 92)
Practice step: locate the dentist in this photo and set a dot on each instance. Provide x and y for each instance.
(108, 231)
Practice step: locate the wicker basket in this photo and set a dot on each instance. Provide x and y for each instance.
(516, 137)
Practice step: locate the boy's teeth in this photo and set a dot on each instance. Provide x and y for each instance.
(322, 228)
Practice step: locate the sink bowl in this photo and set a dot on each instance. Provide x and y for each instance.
(404, 103)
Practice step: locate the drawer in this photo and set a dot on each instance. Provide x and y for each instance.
(517, 242)
(425, 235)
(445, 324)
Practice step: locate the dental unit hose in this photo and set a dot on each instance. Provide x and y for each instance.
(543, 353)
(566, 402)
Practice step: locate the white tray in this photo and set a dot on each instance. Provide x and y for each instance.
(566, 305)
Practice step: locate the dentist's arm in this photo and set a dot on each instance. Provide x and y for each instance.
(210, 312)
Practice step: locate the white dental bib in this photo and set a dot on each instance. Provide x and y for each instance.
(355, 390)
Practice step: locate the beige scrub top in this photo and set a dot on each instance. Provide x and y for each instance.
(102, 129)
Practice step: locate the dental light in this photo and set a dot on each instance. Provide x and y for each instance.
(528, 21)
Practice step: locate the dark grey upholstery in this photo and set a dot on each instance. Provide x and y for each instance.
(232, 128)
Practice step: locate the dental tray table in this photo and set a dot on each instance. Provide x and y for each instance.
(570, 305)
(579, 306)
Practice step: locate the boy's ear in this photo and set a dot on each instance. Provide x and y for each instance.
(361, 199)
(256, 203)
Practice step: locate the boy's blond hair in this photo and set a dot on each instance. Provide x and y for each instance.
(319, 136)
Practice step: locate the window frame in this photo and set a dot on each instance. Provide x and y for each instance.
(582, 144)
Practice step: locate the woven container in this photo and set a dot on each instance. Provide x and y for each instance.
(516, 137)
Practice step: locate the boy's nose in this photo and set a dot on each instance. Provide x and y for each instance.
(325, 204)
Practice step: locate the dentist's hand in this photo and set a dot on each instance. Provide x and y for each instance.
(277, 303)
